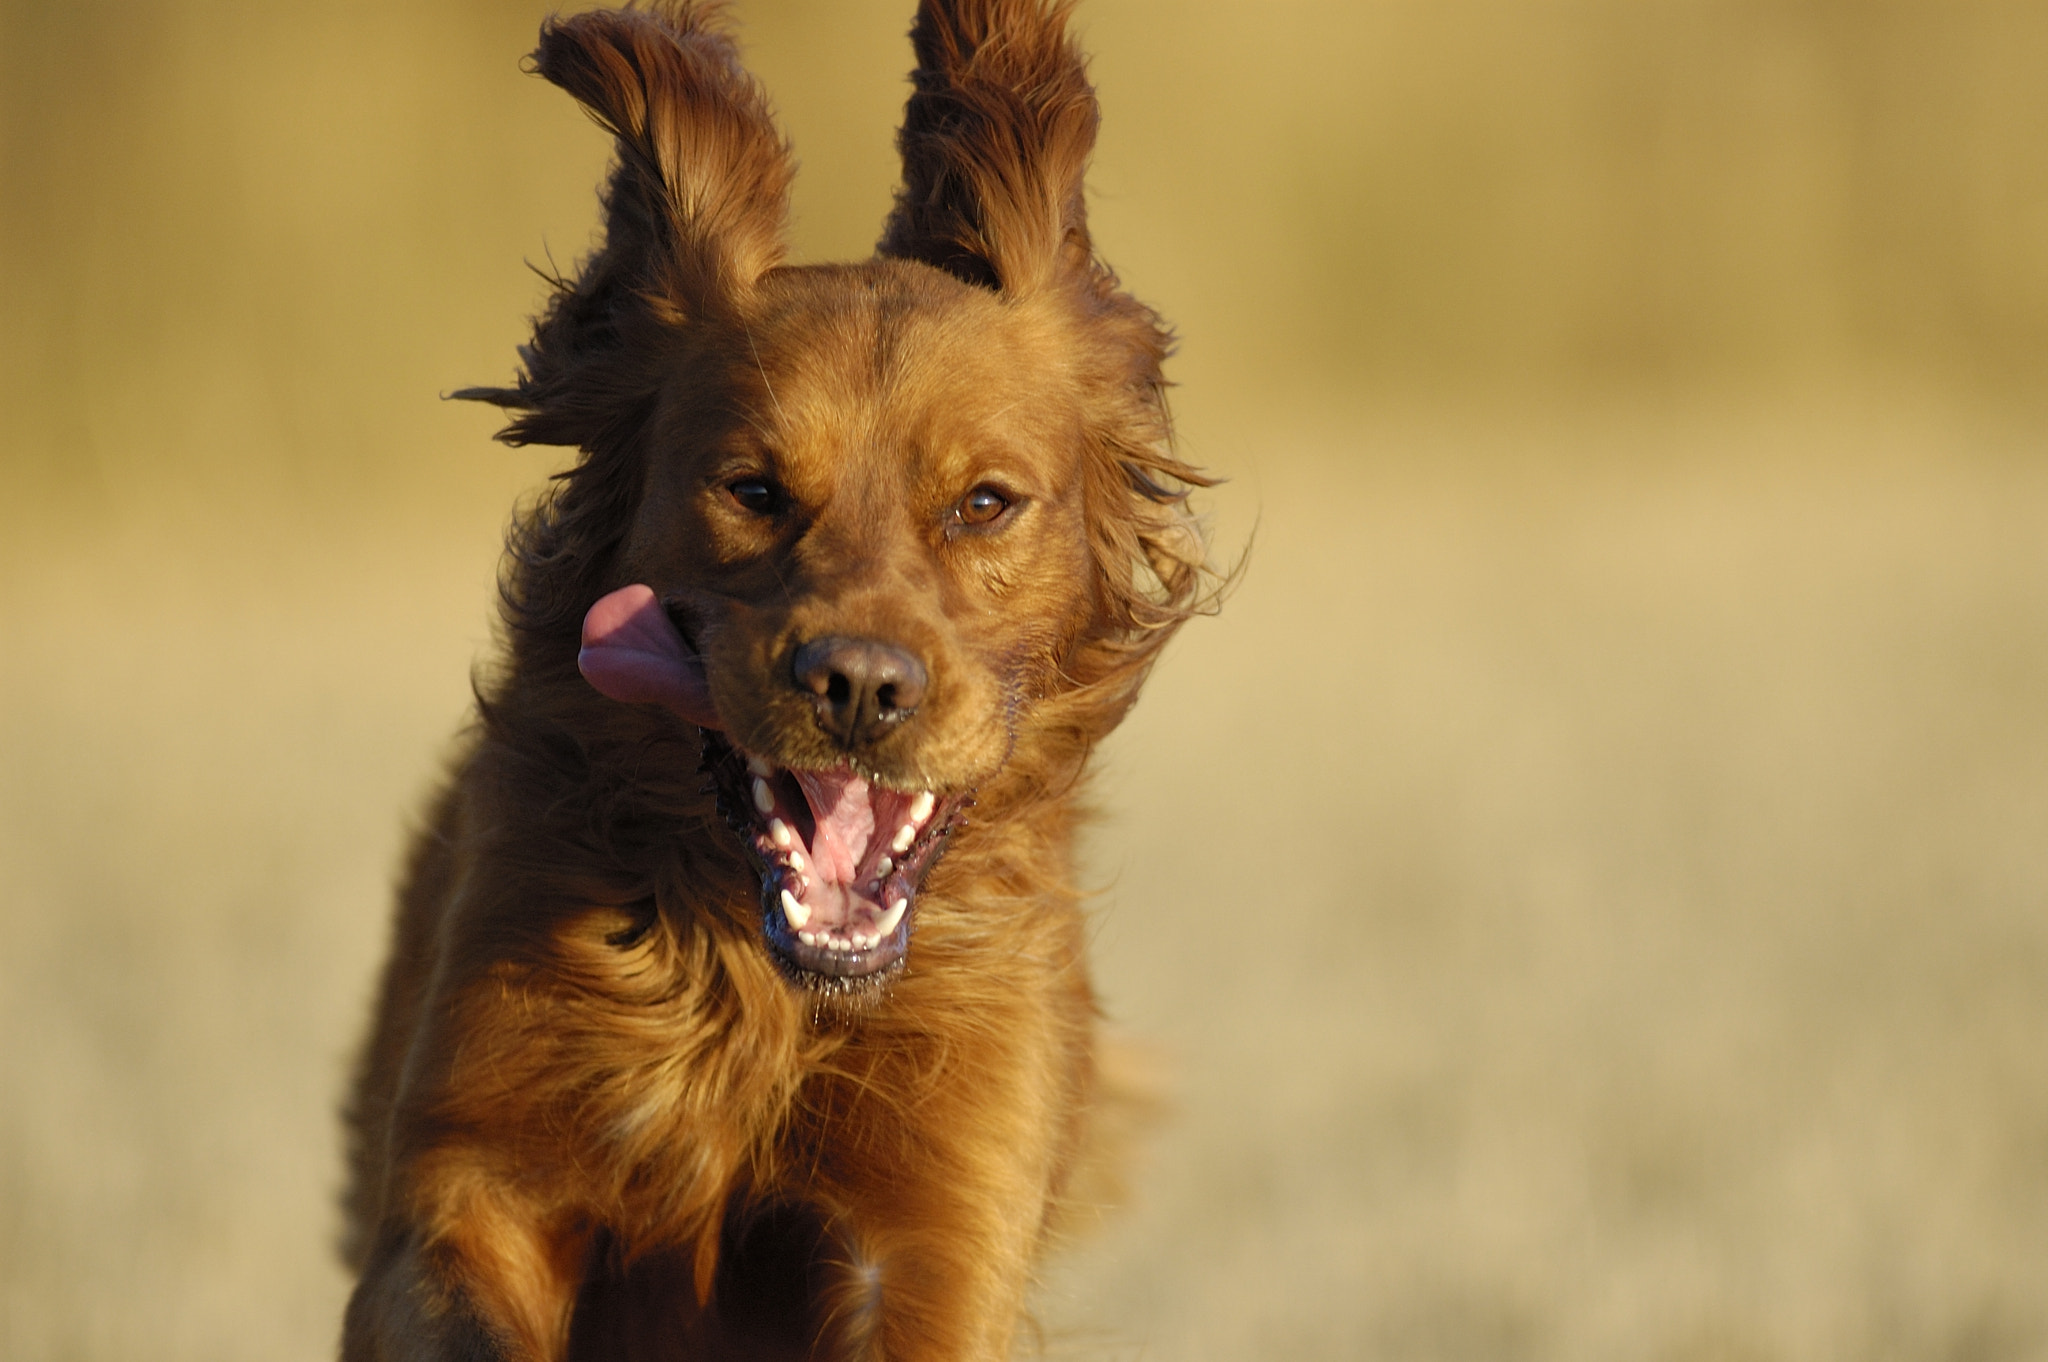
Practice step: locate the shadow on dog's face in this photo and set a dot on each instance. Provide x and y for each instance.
(863, 514)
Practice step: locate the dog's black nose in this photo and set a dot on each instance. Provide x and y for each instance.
(862, 688)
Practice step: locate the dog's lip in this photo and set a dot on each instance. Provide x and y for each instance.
(841, 859)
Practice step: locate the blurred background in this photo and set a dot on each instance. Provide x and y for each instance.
(1588, 893)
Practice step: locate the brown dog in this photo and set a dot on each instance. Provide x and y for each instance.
(737, 1005)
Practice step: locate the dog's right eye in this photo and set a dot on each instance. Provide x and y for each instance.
(755, 494)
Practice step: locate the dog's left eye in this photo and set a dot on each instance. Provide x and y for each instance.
(755, 494)
(982, 506)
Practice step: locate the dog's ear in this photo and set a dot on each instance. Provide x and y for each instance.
(694, 211)
(995, 143)
(701, 186)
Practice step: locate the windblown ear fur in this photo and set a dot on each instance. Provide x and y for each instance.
(995, 142)
(694, 210)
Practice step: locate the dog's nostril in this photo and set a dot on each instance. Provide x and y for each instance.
(860, 686)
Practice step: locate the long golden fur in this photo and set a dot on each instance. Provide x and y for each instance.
(908, 533)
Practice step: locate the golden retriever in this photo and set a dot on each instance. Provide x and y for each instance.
(736, 1005)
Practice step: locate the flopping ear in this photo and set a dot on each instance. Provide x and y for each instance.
(694, 210)
(995, 142)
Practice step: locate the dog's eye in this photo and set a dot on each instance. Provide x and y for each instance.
(758, 495)
(981, 506)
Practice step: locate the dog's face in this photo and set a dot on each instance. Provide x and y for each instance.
(861, 524)
(864, 513)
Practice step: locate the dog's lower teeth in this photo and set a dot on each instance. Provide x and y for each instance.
(921, 807)
(798, 915)
(888, 920)
(778, 833)
(904, 837)
(796, 860)
(884, 866)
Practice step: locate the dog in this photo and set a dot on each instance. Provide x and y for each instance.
(737, 1004)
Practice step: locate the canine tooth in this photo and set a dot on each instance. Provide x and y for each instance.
(905, 835)
(884, 866)
(759, 766)
(798, 915)
(887, 923)
(778, 833)
(763, 800)
(921, 807)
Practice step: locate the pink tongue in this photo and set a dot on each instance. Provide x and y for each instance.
(846, 821)
(631, 652)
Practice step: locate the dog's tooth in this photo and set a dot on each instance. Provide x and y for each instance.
(905, 835)
(760, 767)
(884, 866)
(763, 800)
(778, 833)
(887, 922)
(921, 807)
(798, 915)
(808, 938)
(796, 859)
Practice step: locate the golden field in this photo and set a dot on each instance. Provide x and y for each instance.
(1587, 895)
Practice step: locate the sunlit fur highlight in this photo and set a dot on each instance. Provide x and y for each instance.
(594, 1117)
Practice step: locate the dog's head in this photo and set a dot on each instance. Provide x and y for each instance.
(874, 528)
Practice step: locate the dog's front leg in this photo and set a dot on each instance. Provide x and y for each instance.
(473, 1275)
(940, 1238)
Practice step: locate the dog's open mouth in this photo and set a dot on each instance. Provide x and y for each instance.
(840, 858)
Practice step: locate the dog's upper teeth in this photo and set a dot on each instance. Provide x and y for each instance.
(921, 807)
(887, 922)
(759, 766)
(798, 915)
(764, 800)
(778, 833)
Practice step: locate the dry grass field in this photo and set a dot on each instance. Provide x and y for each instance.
(1586, 898)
